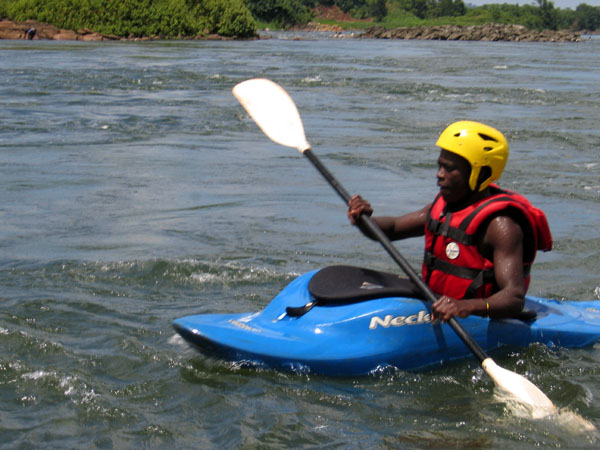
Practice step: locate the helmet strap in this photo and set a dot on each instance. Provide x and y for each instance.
(484, 174)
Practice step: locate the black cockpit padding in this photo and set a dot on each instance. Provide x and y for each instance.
(349, 284)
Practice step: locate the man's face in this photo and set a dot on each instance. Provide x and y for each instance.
(453, 176)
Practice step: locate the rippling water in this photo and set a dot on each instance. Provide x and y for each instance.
(135, 190)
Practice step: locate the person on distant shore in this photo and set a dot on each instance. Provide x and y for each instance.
(30, 33)
(480, 240)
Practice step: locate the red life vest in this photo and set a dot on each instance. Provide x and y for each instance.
(453, 264)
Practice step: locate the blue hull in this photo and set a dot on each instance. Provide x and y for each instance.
(355, 339)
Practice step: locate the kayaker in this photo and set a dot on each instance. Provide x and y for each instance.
(480, 240)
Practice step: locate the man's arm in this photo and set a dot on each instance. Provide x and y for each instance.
(408, 225)
(503, 240)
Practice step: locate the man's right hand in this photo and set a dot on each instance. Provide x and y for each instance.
(357, 206)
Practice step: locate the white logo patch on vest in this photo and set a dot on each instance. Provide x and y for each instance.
(452, 250)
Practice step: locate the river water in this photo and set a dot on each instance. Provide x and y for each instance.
(135, 190)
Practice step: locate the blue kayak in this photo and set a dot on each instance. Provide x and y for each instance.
(345, 320)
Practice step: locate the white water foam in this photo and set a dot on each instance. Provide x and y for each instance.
(565, 419)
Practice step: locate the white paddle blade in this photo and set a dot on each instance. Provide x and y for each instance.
(521, 390)
(274, 111)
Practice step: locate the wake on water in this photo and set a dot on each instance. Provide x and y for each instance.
(561, 418)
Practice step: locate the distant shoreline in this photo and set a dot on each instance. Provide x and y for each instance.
(35, 30)
(488, 32)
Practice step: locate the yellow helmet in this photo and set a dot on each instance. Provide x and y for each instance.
(481, 145)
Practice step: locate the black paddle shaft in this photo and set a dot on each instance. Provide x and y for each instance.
(367, 223)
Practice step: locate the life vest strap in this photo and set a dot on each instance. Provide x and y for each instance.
(479, 277)
(434, 263)
(456, 234)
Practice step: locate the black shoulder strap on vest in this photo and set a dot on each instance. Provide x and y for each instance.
(439, 228)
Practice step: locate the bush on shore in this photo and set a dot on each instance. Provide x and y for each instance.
(540, 15)
(138, 18)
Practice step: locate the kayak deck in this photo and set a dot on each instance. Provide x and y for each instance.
(357, 338)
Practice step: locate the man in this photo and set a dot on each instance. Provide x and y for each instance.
(480, 240)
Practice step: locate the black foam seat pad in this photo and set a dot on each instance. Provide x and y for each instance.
(348, 284)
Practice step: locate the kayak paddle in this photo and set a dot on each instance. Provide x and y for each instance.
(276, 114)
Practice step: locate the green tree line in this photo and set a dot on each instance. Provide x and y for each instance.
(283, 13)
(185, 18)
(546, 16)
(138, 18)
